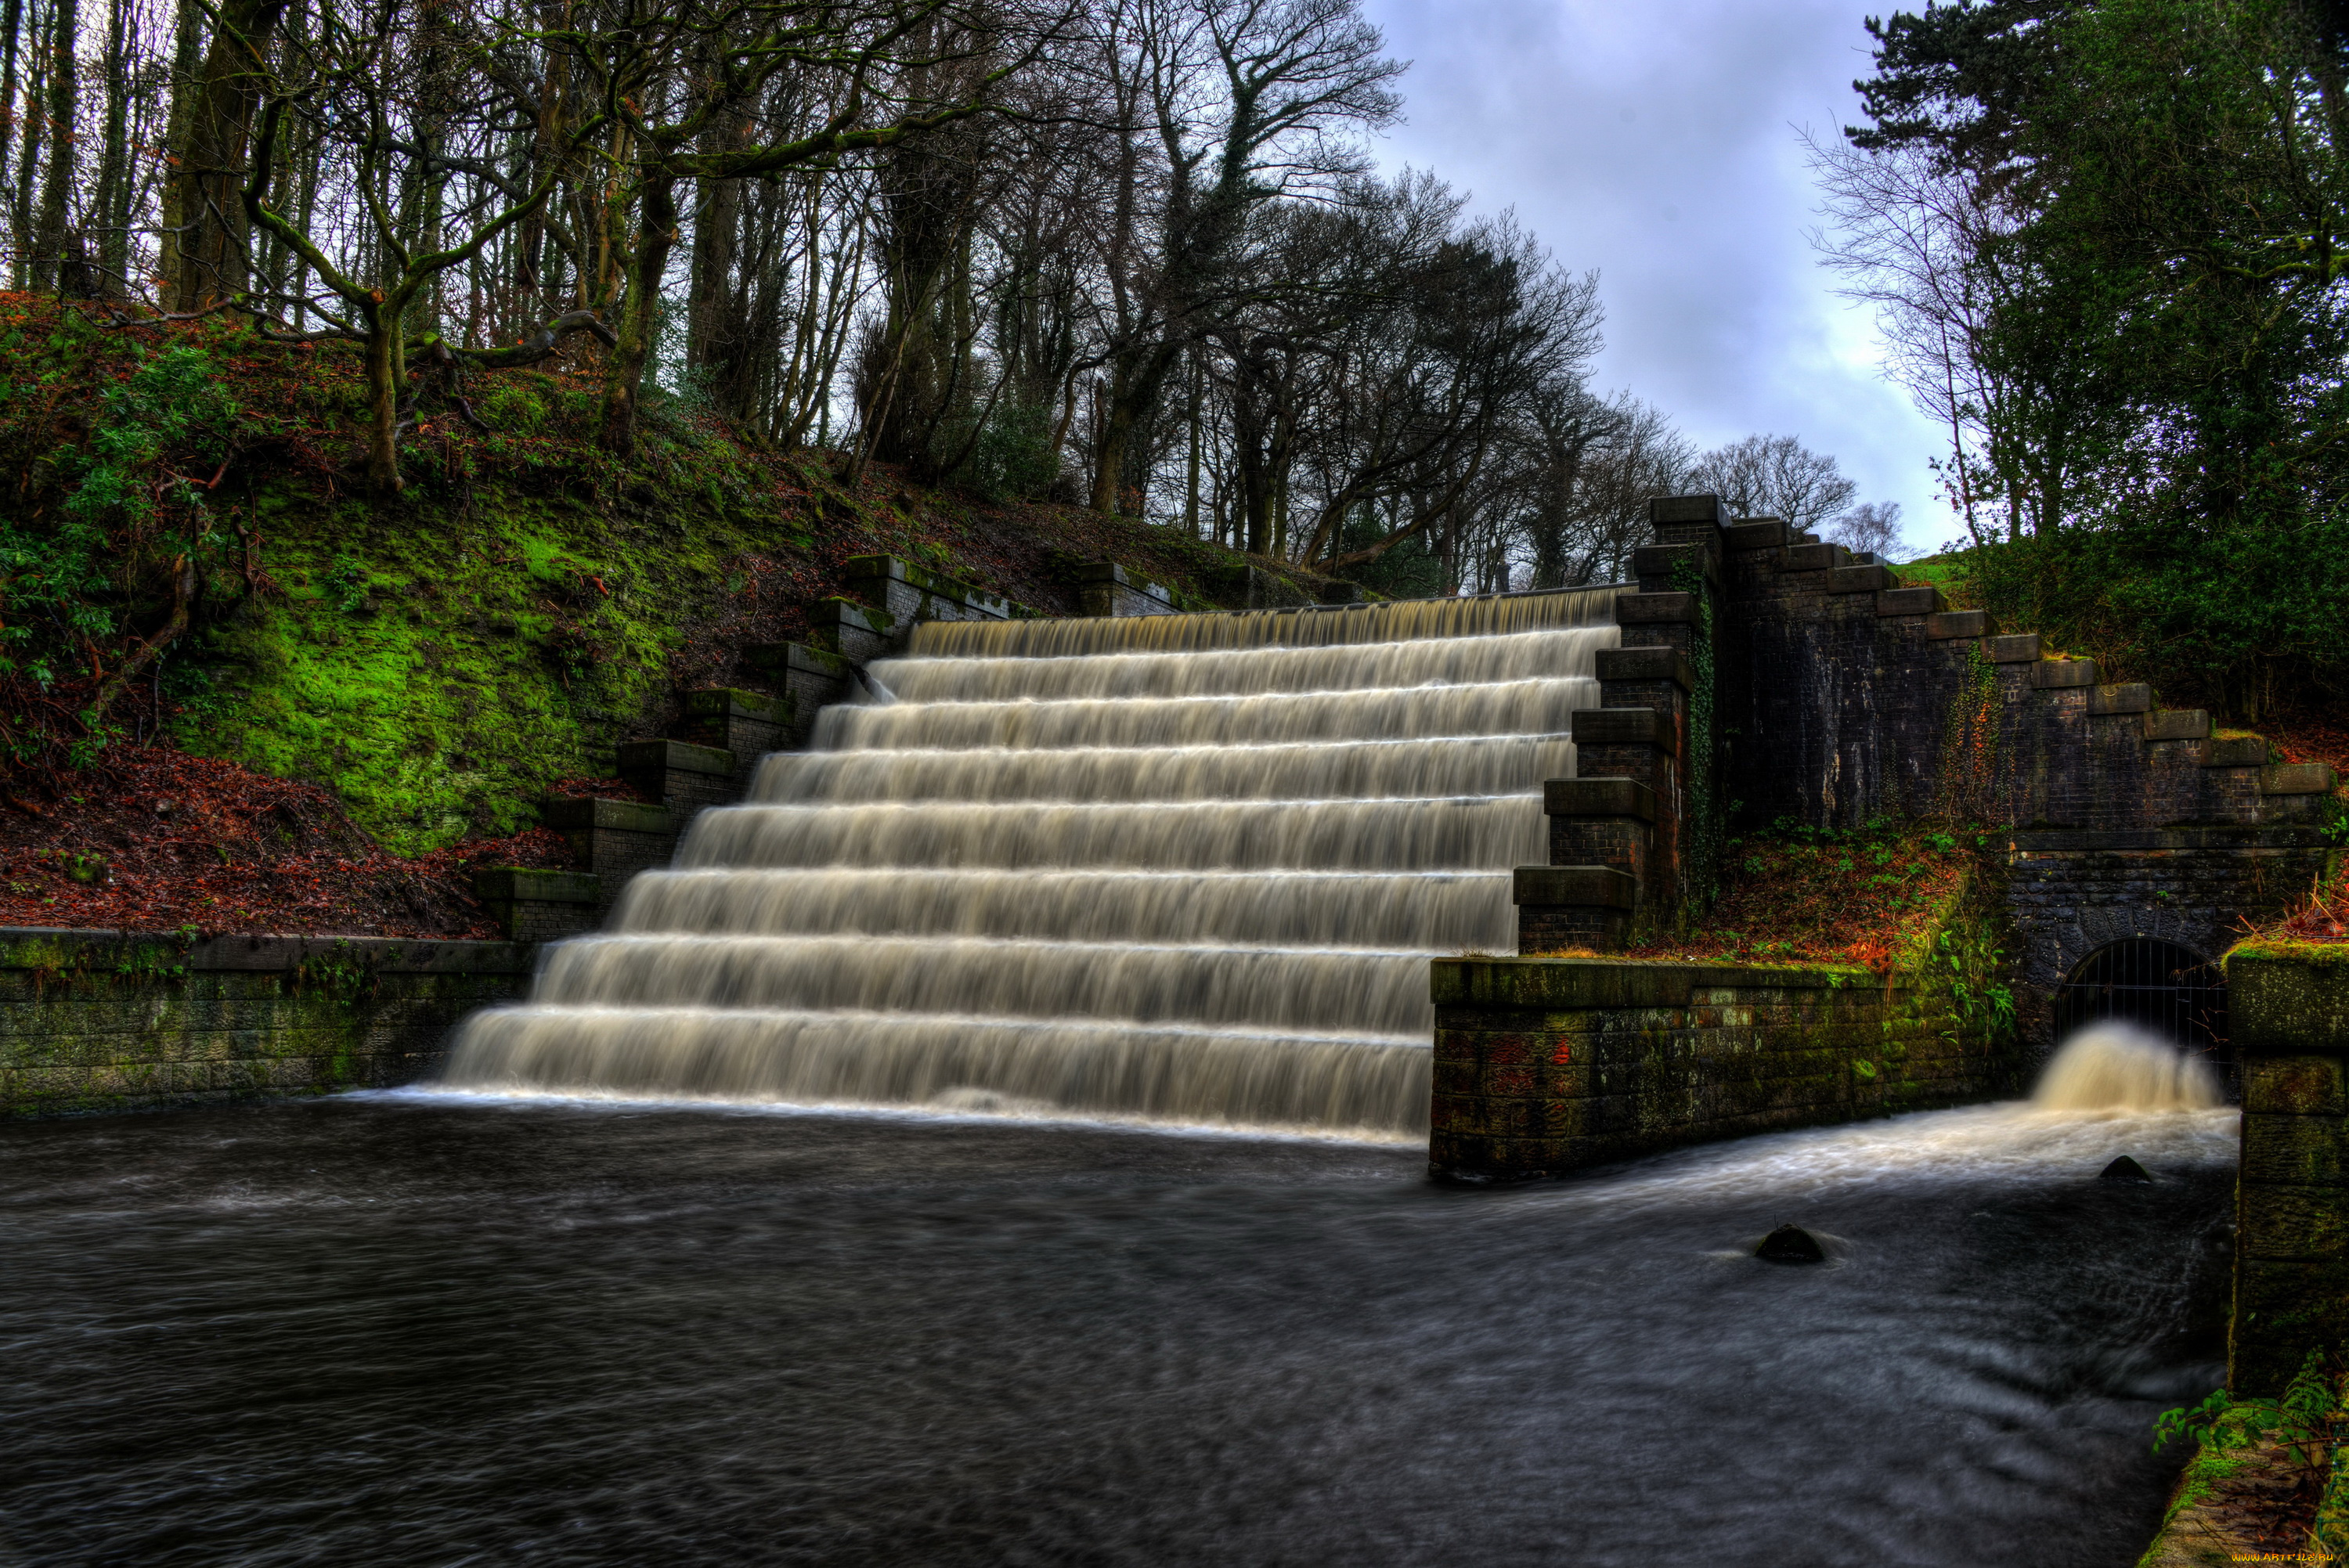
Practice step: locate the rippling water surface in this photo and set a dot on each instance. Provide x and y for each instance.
(420, 1328)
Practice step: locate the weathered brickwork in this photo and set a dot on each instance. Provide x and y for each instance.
(95, 1021)
(1545, 1065)
(2290, 1011)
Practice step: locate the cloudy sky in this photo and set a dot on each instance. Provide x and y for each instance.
(1655, 140)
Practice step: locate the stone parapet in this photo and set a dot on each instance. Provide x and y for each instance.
(746, 723)
(539, 905)
(1547, 1066)
(683, 777)
(95, 1021)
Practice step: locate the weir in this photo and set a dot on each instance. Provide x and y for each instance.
(1190, 867)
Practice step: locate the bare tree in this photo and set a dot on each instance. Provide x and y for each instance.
(1871, 528)
(1776, 475)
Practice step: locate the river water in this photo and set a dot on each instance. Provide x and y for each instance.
(429, 1328)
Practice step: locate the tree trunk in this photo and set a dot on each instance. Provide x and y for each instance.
(114, 162)
(49, 237)
(639, 314)
(212, 250)
(28, 162)
(385, 373)
(186, 46)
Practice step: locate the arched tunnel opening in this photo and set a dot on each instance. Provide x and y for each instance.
(2165, 989)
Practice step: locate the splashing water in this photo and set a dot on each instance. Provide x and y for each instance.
(1188, 868)
(2111, 1067)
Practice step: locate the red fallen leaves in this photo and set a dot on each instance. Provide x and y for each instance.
(158, 840)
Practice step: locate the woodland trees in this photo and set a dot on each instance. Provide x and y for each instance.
(2106, 242)
(1127, 254)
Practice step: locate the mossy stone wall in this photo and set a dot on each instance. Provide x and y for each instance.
(2288, 1010)
(96, 1021)
(1545, 1065)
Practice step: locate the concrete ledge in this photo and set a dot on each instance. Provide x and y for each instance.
(2289, 999)
(1624, 726)
(1643, 609)
(1664, 509)
(1598, 797)
(516, 882)
(676, 756)
(2093, 841)
(2133, 697)
(1807, 554)
(1647, 664)
(1541, 983)
(795, 658)
(2060, 675)
(726, 702)
(2178, 724)
(1951, 624)
(2237, 751)
(855, 632)
(614, 816)
(1859, 580)
(1924, 601)
(2014, 649)
(1668, 561)
(872, 578)
(1755, 533)
(1600, 886)
(1105, 589)
(2296, 779)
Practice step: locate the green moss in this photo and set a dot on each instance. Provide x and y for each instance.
(2290, 950)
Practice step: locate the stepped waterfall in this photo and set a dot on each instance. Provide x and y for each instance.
(1185, 868)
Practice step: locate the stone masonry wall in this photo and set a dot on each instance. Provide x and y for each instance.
(2290, 1013)
(1545, 1065)
(97, 1021)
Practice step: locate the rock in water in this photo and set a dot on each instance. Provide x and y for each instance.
(2123, 1169)
(1791, 1244)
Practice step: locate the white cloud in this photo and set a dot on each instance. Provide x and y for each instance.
(1657, 142)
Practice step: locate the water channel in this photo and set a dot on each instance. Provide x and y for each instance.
(433, 1328)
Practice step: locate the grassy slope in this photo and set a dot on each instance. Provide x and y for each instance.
(529, 602)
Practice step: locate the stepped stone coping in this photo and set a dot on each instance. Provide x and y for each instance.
(1665, 508)
(1641, 609)
(1860, 579)
(1602, 886)
(1624, 726)
(1810, 555)
(795, 656)
(1647, 664)
(1662, 560)
(1755, 533)
(2178, 724)
(2076, 840)
(2296, 779)
(726, 702)
(56, 948)
(2135, 696)
(2063, 674)
(511, 883)
(1105, 578)
(620, 815)
(677, 756)
(2235, 751)
(875, 573)
(1925, 599)
(1598, 797)
(1952, 625)
(2014, 649)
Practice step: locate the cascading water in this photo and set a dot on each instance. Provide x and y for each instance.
(1179, 867)
(2113, 1068)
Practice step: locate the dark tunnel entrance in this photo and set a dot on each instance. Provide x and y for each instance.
(2161, 987)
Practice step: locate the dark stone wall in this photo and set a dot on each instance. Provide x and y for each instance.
(1545, 1065)
(93, 1021)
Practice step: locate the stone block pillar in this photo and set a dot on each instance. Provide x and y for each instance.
(2288, 1010)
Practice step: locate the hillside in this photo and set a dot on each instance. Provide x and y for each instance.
(438, 663)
